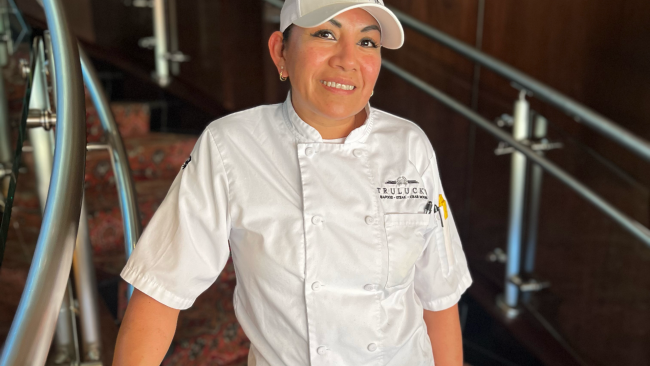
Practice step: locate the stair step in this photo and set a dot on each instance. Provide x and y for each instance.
(132, 120)
(154, 156)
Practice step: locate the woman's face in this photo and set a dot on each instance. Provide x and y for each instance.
(333, 67)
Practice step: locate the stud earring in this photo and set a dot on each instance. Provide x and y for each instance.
(282, 78)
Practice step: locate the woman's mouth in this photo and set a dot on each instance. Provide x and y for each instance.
(337, 85)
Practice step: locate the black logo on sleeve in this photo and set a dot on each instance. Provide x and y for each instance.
(186, 162)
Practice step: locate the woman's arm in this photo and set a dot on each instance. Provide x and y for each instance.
(146, 332)
(443, 328)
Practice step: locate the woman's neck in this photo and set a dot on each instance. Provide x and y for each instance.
(328, 128)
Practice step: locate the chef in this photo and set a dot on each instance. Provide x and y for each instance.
(344, 245)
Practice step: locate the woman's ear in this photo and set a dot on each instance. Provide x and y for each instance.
(276, 48)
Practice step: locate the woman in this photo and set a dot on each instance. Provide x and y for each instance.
(345, 250)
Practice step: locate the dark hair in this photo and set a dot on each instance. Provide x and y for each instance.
(286, 34)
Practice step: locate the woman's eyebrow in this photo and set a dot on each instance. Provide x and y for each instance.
(371, 27)
(335, 23)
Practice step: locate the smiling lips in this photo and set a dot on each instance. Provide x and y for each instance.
(337, 85)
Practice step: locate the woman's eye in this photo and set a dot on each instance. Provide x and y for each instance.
(324, 34)
(368, 43)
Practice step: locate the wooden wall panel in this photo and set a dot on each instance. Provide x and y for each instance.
(223, 38)
(444, 69)
(199, 37)
(79, 13)
(119, 27)
(595, 52)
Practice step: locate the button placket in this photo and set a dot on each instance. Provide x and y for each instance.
(372, 347)
(317, 164)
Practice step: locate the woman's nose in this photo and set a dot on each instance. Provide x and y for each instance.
(345, 57)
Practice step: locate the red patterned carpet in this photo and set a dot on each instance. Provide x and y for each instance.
(207, 333)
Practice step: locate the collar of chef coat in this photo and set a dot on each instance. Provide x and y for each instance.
(306, 133)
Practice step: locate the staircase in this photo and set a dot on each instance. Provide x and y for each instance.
(208, 333)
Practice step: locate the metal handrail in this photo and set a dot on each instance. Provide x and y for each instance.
(631, 225)
(29, 338)
(119, 158)
(605, 126)
(631, 141)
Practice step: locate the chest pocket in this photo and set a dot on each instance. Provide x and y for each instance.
(405, 237)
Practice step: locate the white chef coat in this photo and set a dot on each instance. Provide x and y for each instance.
(334, 255)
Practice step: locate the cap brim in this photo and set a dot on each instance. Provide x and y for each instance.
(392, 34)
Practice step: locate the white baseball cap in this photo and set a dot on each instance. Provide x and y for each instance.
(310, 13)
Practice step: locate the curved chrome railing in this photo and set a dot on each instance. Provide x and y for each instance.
(31, 332)
(119, 158)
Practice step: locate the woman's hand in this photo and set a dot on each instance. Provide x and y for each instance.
(443, 328)
(146, 332)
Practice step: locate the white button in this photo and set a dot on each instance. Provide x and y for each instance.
(315, 286)
(372, 347)
(316, 220)
(370, 220)
(309, 151)
(358, 153)
(321, 350)
(369, 287)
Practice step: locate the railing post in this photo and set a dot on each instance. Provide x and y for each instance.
(160, 35)
(517, 199)
(5, 141)
(536, 175)
(42, 141)
(6, 156)
(87, 295)
(66, 345)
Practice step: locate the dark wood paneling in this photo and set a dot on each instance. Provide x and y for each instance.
(120, 27)
(241, 55)
(223, 39)
(594, 52)
(199, 37)
(78, 12)
(446, 70)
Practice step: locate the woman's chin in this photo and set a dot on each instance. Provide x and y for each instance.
(339, 112)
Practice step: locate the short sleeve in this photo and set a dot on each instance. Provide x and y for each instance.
(184, 247)
(441, 272)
